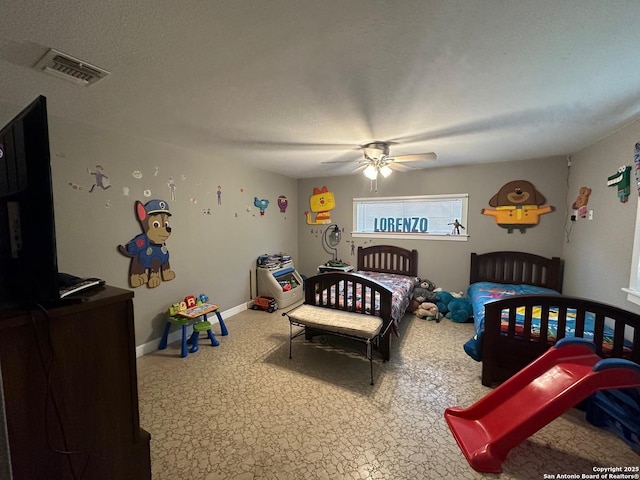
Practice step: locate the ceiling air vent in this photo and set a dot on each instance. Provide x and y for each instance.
(68, 68)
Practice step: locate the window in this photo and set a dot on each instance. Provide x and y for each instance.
(427, 217)
(633, 292)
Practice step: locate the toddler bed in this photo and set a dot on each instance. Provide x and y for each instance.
(519, 313)
(381, 286)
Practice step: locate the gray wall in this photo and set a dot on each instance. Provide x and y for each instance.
(212, 254)
(445, 263)
(598, 252)
(216, 253)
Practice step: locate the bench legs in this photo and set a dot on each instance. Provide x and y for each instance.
(303, 331)
(370, 357)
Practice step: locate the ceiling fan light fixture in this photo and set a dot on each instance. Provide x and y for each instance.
(370, 172)
(385, 171)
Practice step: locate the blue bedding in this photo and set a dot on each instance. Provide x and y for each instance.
(481, 293)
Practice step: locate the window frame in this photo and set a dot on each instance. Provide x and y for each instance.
(633, 291)
(462, 237)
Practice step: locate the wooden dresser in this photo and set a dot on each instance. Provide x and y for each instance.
(70, 390)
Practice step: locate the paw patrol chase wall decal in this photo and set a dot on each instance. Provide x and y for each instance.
(321, 203)
(148, 252)
(517, 205)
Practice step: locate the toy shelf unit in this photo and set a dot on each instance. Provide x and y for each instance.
(280, 280)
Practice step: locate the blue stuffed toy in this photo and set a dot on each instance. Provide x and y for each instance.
(442, 301)
(459, 310)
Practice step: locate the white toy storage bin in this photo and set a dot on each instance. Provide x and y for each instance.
(270, 282)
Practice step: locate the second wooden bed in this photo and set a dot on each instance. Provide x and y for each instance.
(517, 329)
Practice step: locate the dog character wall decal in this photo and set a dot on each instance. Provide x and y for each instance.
(517, 205)
(148, 251)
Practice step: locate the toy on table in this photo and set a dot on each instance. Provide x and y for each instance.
(188, 312)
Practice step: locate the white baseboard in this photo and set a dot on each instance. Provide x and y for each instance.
(152, 346)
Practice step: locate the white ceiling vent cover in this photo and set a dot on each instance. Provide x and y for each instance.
(69, 68)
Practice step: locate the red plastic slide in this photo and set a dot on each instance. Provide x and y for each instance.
(565, 375)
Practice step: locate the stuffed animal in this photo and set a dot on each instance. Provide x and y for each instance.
(428, 311)
(460, 310)
(442, 301)
(423, 292)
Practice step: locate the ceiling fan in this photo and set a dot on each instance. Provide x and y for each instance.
(377, 161)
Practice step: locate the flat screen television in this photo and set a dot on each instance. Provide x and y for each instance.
(28, 260)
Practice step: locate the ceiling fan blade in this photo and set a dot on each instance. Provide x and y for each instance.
(413, 158)
(401, 167)
(343, 161)
(275, 145)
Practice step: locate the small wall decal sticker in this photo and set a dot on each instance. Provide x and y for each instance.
(261, 204)
(101, 180)
(282, 203)
(171, 183)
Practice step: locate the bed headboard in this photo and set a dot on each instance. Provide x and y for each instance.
(388, 259)
(517, 267)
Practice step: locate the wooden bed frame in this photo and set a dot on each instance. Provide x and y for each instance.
(388, 259)
(517, 267)
(505, 353)
(376, 258)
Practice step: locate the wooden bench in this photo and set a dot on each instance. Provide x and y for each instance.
(356, 326)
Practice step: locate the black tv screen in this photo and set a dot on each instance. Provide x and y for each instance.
(28, 261)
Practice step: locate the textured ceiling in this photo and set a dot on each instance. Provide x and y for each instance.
(287, 85)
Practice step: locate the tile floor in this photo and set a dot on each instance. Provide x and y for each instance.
(245, 411)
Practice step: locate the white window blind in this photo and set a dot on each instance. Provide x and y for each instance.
(441, 217)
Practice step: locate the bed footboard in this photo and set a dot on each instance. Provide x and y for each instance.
(505, 351)
(351, 292)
